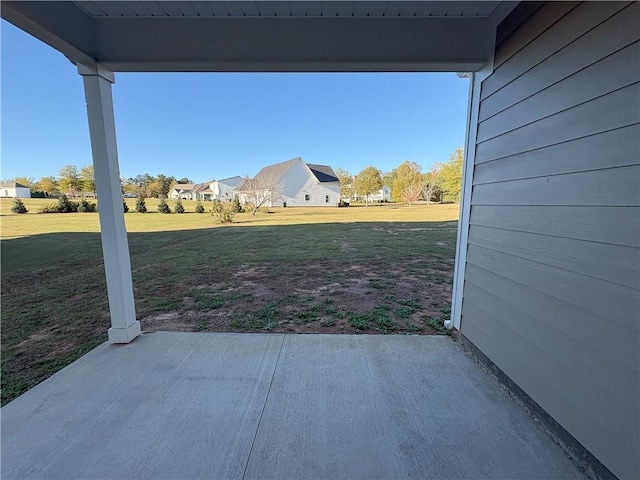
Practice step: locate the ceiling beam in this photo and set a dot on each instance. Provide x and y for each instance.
(61, 25)
(264, 44)
(293, 44)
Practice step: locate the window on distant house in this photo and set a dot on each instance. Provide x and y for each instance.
(326, 199)
(307, 197)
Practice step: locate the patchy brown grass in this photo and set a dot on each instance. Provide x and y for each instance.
(294, 270)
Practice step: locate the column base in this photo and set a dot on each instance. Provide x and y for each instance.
(124, 335)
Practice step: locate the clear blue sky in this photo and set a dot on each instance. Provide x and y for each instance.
(212, 126)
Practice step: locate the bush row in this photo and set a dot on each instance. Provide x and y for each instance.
(64, 205)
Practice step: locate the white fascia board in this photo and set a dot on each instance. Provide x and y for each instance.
(462, 239)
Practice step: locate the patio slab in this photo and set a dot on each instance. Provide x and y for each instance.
(260, 406)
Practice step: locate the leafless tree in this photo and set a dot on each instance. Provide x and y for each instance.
(412, 192)
(261, 191)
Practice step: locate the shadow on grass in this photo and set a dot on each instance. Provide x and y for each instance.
(54, 303)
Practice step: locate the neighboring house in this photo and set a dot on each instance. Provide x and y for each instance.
(382, 195)
(202, 191)
(183, 191)
(13, 189)
(298, 184)
(225, 189)
(216, 189)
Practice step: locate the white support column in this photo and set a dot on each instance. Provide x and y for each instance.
(475, 82)
(115, 246)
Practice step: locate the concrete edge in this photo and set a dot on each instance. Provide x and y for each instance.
(583, 458)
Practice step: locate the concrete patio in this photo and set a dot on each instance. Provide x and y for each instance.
(254, 406)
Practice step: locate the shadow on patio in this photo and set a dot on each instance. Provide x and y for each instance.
(215, 405)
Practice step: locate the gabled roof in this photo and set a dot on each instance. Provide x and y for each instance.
(324, 173)
(185, 187)
(276, 171)
(201, 187)
(236, 180)
(13, 185)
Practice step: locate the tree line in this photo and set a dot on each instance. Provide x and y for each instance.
(73, 181)
(407, 182)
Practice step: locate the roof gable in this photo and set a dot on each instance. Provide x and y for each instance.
(13, 185)
(324, 173)
(276, 171)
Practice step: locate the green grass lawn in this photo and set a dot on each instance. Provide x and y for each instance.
(336, 270)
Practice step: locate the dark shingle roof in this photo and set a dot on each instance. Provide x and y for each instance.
(324, 173)
(13, 185)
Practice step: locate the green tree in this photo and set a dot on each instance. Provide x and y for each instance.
(163, 207)
(387, 178)
(179, 208)
(87, 179)
(199, 207)
(17, 206)
(163, 184)
(69, 181)
(450, 175)
(125, 207)
(346, 183)
(48, 185)
(368, 181)
(405, 177)
(141, 205)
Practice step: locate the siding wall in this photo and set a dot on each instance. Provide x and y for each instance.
(551, 291)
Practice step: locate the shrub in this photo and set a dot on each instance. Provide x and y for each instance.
(65, 205)
(18, 206)
(86, 206)
(199, 208)
(223, 212)
(141, 206)
(163, 207)
(125, 207)
(49, 208)
(237, 207)
(178, 208)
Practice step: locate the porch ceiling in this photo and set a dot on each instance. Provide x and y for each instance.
(266, 36)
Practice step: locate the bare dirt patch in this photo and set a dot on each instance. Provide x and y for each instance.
(333, 299)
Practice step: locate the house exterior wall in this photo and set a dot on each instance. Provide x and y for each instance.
(225, 189)
(297, 183)
(13, 192)
(551, 285)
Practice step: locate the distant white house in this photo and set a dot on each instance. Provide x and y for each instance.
(298, 184)
(382, 195)
(13, 189)
(184, 191)
(216, 189)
